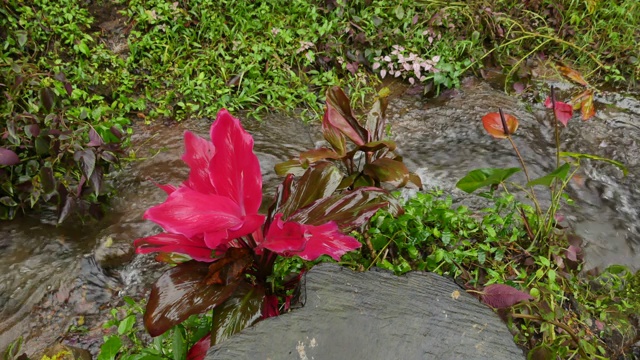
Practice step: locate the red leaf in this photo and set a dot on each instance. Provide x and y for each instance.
(493, 125)
(388, 170)
(502, 296)
(8, 157)
(199, 349)
(318, 182)
(586, 107)
(240, 311)
(338, 113)
(563, 111)
(181, 292)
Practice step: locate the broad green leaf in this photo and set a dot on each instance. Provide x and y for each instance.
(399, 11)
(349, 210)
(110, 348)
(559, 173)
(388, 170)
(338, 113)
(180, 292)
(292, 166)
(615, 163)
(318, 182)
(179, 346)
(126, 324)
(240, 311)
(479, 178)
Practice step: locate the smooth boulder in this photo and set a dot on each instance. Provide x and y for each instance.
(376, 315)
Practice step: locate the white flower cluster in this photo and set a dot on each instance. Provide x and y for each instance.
(399, 64)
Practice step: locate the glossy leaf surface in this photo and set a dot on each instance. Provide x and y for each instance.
(388, 170)
(339, 114)
(181, 292)
(479, 178)
(493, 125)
(240, 311)
(349, 210)
(317, 182)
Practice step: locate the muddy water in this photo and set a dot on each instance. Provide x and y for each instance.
(50, 279)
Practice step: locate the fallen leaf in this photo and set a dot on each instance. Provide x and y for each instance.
(455, 294)
(573, 75)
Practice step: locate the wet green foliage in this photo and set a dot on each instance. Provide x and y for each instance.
(572, 313)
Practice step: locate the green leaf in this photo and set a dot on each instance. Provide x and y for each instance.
(179, 347)
(110, 348)
(237, 313)
(559, 173)
(126, 324)
(22, 37)
(399, 11)
(292, 166)
(315, 155)
(615, 163)
(319, 181)
(479, 178)
(349, 210)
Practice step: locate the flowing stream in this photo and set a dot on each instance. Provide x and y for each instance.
(56, 278)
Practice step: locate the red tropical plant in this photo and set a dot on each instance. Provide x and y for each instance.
(213, 218)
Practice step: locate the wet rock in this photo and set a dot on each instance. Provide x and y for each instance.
(376, 315)
(111, 253)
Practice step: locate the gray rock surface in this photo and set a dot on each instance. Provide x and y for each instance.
(376, 315)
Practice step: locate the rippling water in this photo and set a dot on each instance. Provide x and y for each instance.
(49, 279)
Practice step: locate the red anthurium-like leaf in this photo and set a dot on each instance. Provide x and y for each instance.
(240, 311)
(338, 113)
(198, 153)
(174, 243)
(308, 241)
(563, 111)
(181, 292)
(388, 170)
(319, 181)
(493, 125)
(8, 157)
(199, 350)
(234, 168)
(314, 155)
(349, 210)
(502, 296)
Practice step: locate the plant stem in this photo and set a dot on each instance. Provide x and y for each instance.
(555, 126)
(558, 324)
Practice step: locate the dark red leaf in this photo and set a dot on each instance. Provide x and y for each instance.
(229, 268)
(181, 292)
(116, 132)
(352, 67)
(318, 182)
(572, 252)
(314, 155)
(8, 157)
(199, 350)
(240, 311)
(339, 114)
(66, 209)
(68, 88)
(47, 97)
(388, 170)
(87, 161)
(502, 296)
(333, 136)
(349, 210)
(33, 130)
(94, 138)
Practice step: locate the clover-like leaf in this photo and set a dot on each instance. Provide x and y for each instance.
(502, 296)
(479, 178)
(493, 124)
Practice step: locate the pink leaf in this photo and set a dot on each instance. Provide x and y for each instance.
(174, 243)
(198, 154)
(563, 111)
(572, 253)
(502, 296)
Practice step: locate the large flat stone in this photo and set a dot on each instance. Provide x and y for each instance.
(376, 315)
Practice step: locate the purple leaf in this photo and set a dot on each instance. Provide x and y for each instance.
(94, 138)
(502, 296)
(47, 97)
(237, 313)
(518, 87)
(8, 157)
(353, 67)
(572, 253)
(68, 88)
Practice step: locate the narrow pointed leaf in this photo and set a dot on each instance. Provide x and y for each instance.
(317, 182)
(502, 296)
(315, 155)
(573, 75)
(559, 173)
(349, 210)
(378, 145)
(181, 292)
(334, 136)
(376, 118)
(47, 98)
(388, 170)
(339, 114)
(615, 163)
(94, 138)
(292, 166)
(479, 178)
(8, 157)
(240, 311)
